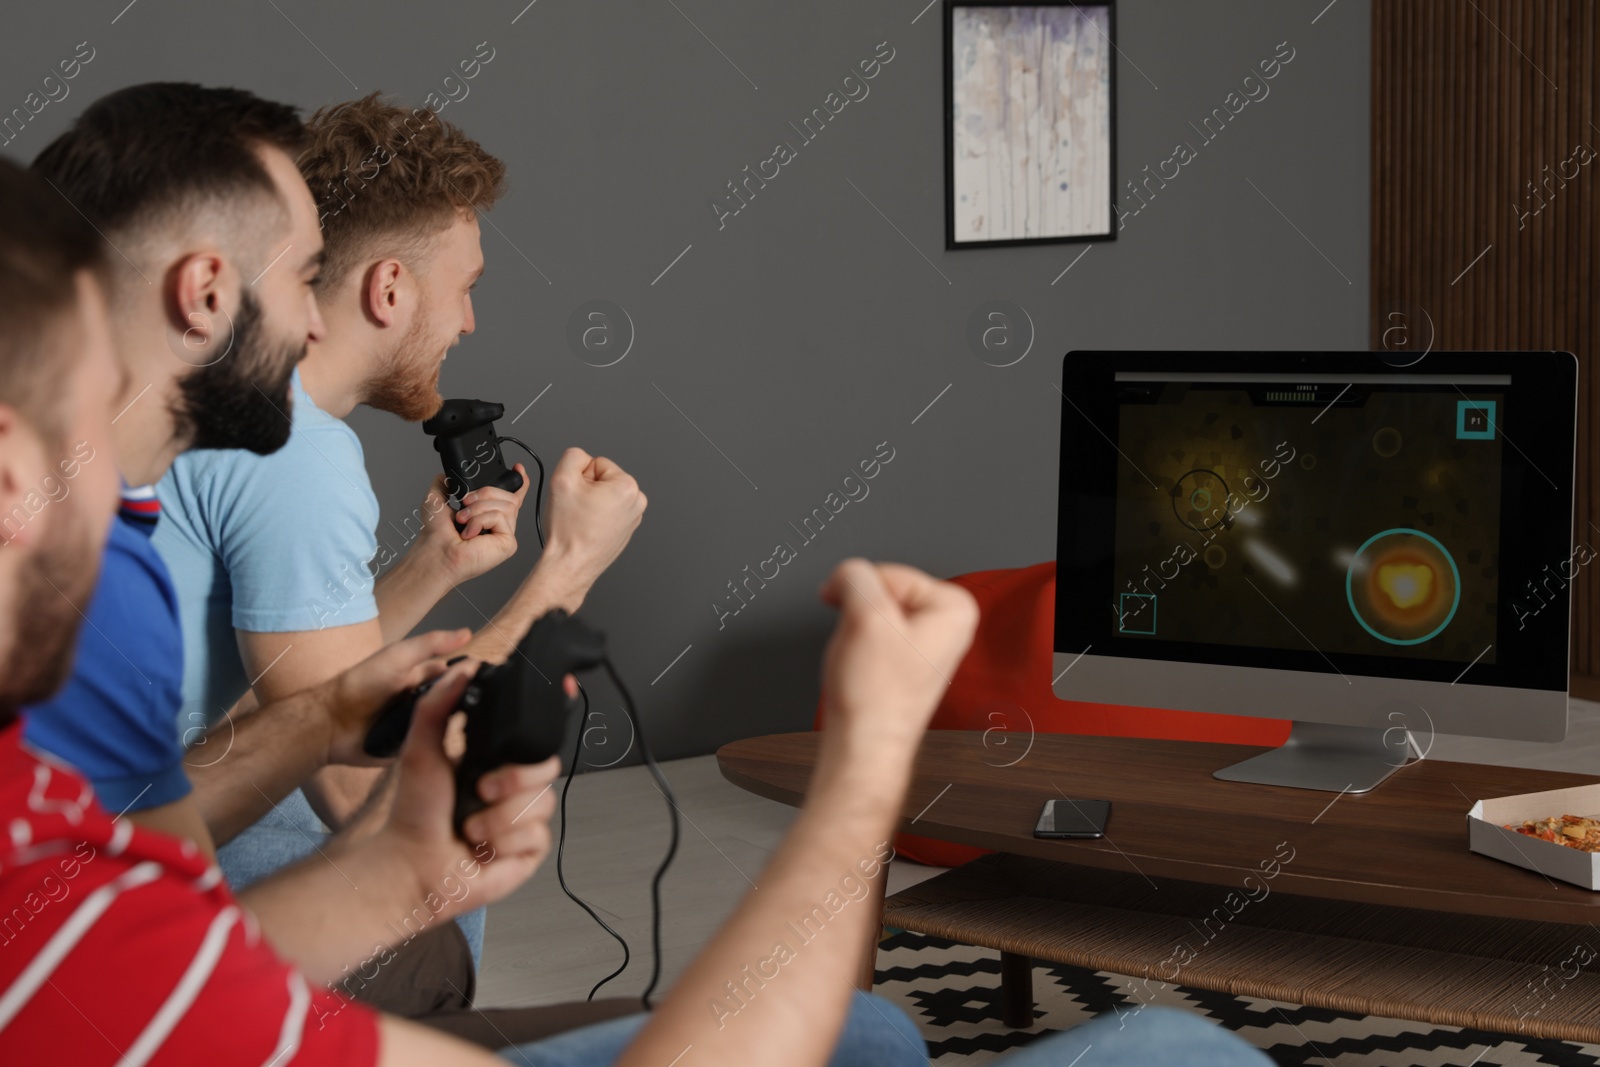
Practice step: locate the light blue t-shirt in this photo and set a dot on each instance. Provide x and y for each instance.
(270, 544)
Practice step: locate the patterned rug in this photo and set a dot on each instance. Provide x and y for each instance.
(953, 992)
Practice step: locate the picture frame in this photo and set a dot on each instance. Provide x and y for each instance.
(1023, 170)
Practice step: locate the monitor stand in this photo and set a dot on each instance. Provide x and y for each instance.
(1339, 759)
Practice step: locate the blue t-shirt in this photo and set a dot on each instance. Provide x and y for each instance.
(269, 544)
(113, 720)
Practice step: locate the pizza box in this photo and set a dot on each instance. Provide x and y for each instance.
(1487, 833)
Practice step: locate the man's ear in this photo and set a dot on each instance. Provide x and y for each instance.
(22, 471)
(384, 294)
(200, 299)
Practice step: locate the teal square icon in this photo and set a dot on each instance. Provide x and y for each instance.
(1135, 613)
(1475, 420)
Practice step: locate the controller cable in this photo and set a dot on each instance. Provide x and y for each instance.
(672, 812)
(672, 847)
(561, 845)
(572, 772)
(538, 492)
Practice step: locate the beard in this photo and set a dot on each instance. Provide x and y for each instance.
(410, 387)
(49, 601)
(242, 399)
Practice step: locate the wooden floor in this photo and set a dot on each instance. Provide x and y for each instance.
(541, 948)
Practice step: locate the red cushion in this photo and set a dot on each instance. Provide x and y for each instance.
(1005, 683)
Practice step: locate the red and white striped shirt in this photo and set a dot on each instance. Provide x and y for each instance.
(123, 946)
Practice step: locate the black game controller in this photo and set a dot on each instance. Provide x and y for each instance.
(464, 436)
(517, 712)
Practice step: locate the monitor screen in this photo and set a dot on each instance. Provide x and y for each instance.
(1366, 513)
(1321, 512)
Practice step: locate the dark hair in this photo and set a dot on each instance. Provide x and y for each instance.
(141, 152)
(43, 244)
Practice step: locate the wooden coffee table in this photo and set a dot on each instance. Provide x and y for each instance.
(1366, 903)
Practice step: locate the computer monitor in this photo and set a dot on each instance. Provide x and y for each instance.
(1374, 551)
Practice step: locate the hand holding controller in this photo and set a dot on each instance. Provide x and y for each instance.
(517, 712)
(464, 436)
(393, 721)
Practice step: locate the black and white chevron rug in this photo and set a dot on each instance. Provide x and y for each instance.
(953, 992)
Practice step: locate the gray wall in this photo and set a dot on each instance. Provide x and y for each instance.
(826, 316)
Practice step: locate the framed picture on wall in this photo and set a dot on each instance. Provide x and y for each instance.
(1029, 96)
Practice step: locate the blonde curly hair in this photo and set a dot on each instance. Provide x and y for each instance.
(389, 177)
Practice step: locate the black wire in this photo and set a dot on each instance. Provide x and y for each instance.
(538, 493)
(561, 842)
(672, 848)
(561, 839)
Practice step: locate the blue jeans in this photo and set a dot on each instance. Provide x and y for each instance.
(1150, 1037)
(878, 1033)
(289, 833)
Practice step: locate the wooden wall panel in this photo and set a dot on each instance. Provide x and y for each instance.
(1474, 106)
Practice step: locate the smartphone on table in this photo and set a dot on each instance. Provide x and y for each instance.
(1073, 819)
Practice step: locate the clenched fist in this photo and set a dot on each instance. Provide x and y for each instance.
(901, 635)
(594, 508)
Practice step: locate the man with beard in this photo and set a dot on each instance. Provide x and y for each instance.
(217, 246)
(281, 579)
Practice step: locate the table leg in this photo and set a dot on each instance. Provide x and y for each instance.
(1016, 990)
(874, 900)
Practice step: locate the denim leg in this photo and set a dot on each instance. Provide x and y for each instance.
(592, 1046)
(287, 834)
(1149, 1036)
(472, 924)
(876, 1034)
